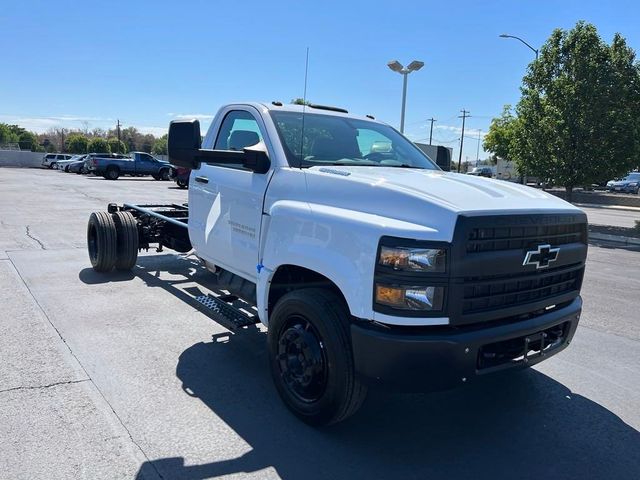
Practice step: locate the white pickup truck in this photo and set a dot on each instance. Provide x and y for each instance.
(368, 264)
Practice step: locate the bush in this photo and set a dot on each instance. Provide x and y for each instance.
(117, 146)
(77, 144)
(99, 145)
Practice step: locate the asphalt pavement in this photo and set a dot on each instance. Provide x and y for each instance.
(607, 215)
(124, 376)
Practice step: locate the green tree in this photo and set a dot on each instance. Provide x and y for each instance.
(99, 145)
(300, 101)
(7, 135)
(577, 118)
(77, 143)
(29, 141)
(500, 140)
(117, 146)
(160, 145)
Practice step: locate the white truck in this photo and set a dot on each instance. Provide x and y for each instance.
(370, 266)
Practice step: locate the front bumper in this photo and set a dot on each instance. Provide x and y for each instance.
(441, 358)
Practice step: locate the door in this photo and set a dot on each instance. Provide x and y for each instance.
(145, 164)
(225, 201)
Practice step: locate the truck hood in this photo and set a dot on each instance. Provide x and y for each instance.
(431, 198)
(453, 191)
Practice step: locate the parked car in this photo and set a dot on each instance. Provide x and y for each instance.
(181, 176)
(76, 166)
(63, 165)
(629, 184)
(50, 160)
(482, 172)
(138, 164)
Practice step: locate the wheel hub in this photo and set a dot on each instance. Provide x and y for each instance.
(301, 360)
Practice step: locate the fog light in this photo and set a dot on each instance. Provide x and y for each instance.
(410, 297)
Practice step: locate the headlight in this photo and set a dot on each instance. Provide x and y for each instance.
(431, 260)
(410, 297)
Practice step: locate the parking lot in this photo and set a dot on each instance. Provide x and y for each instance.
(122, 376)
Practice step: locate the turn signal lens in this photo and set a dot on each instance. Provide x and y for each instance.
(410, 298)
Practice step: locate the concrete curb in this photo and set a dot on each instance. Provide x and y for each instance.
(608, 207)
(614, 238)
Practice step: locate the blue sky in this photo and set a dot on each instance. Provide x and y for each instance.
(146, 62)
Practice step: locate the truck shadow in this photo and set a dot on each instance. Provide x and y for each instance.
(522, 425)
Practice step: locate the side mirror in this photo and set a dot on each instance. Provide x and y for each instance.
(184, 142)
(255, 158)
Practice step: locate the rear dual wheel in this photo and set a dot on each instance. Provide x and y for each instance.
(112, 241)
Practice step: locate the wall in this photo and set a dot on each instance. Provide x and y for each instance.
(18, 158)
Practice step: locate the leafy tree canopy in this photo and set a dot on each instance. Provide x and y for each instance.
(77, 143)
(576, 122)
(99, 145)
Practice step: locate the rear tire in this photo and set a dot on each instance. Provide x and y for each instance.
(112, 173)
(102, 241)
(127, 238)
(182, 183)
(311, 357)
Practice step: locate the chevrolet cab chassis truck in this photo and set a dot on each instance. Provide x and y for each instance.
(369, 265)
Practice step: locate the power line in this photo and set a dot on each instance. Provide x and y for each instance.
(465, 114)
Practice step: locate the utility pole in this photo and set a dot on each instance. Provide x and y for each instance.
(431, 130)
(118, 130)
(478, 151)
(465, 114)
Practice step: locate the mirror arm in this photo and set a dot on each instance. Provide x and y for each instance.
(219, 156)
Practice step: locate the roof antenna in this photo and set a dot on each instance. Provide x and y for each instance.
(304, 105)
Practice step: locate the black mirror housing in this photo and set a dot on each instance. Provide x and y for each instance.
(184, 142)
(256, 158)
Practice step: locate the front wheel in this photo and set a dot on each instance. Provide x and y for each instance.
(165, 174)
(311, 359)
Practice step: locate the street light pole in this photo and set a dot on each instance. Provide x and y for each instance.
(396, 66)
(535, 50)
(404, 100)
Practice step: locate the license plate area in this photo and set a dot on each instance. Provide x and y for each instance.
(522, 350)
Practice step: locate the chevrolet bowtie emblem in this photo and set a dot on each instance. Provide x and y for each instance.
(541, 257)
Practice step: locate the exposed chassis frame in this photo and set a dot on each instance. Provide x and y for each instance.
(164, 224)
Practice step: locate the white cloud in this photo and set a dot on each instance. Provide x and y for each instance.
(42, 124)
(155, 131)
(189, 116)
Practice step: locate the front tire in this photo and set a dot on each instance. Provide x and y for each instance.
(311, 358)
(165, 174)
(102, 241)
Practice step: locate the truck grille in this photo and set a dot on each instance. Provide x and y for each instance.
(491, 239)
(485, 293)
(489, 279)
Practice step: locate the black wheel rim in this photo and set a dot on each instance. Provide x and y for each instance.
(92, 243)
(302, 360)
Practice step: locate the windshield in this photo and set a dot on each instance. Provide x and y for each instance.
(632, 177)
(333, 140)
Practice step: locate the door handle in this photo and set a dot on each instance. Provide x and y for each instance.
(202, 180)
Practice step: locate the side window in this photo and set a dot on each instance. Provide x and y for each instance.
(239, 129)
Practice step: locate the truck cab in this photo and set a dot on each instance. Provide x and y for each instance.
(369, 265)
